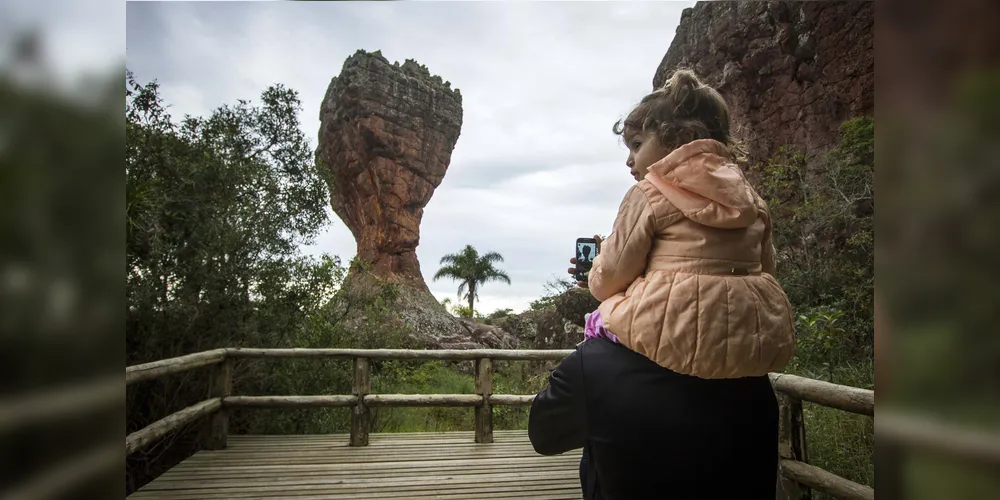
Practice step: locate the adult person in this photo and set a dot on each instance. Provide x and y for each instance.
(668, 395)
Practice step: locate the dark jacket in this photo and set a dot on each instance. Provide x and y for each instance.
(648, 432)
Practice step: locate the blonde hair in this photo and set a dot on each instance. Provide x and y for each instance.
(683, 110)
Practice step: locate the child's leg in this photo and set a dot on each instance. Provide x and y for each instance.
(595, 328)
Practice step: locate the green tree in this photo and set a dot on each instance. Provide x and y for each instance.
(216, 208)
(824, 230)
(554, 288)
(472, 271)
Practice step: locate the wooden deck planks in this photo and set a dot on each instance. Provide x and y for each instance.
(421, 465)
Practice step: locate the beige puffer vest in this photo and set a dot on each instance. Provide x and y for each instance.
(685, 278)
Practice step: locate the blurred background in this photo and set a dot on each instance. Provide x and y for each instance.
(62, 225)
(61, 254)
(937, 346)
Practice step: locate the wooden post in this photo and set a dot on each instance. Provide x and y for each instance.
(791, 445)
(484, 412)
(359, 414)
(220, 386)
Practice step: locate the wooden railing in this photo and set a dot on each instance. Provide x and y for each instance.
(795, 474)
(221, 400)
(55, 407)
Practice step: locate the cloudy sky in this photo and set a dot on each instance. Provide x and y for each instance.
(536, 165)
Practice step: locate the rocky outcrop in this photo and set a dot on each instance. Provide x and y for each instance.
(385, 141)
(482, 335)
(545, 328)
(791, 71)
(387, 131)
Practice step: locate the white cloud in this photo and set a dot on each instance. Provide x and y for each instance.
(536, 165)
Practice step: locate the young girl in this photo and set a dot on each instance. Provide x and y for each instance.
(686, 276)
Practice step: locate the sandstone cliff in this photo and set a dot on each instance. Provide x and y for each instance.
(791, 71)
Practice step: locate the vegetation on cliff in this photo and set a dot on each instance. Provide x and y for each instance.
(824, 231)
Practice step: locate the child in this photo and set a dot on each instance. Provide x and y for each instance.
(686, 276)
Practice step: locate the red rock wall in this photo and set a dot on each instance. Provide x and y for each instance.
(792, 72)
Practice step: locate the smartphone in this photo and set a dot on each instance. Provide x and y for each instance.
(586, 251)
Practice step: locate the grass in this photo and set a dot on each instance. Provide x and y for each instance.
(840, 442)
(931, 478)
(432, 377)
(438, 377)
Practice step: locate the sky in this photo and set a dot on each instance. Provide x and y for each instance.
(536, 165)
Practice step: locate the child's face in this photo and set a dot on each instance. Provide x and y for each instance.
(644, 149)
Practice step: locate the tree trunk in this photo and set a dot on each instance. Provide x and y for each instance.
(472, 299)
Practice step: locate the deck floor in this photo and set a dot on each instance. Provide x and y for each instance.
(412, 465)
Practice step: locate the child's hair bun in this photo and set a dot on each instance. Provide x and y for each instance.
(684, 109)
(683, 79)
(683, 90)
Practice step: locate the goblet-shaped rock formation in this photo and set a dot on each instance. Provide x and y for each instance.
(386, 136)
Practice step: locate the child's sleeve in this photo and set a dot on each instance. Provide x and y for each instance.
(625, 253)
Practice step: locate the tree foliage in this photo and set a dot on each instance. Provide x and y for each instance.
(554, 288)
(824, 213)
(216, 209)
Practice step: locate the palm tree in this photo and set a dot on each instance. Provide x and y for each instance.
(472, 270)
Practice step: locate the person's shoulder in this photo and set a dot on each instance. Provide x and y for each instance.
(641, 191)
(597, 347)
(637, 198)
(658, 204)
(599, 358)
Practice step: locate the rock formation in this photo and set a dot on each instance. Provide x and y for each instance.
(386, 136)
(791, 71)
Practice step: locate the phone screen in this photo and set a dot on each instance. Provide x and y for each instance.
(586, 251)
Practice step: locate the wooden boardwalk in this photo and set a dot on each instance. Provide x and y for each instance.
(418, 465)
(413, 465)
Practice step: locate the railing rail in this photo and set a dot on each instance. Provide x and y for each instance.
(943, 439)
(53, 406)
(157, 369)
(149, 434)
(841, 397)
(406, 354)
(56, 404)
(795, 474)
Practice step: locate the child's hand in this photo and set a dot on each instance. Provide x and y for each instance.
(572, 271)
